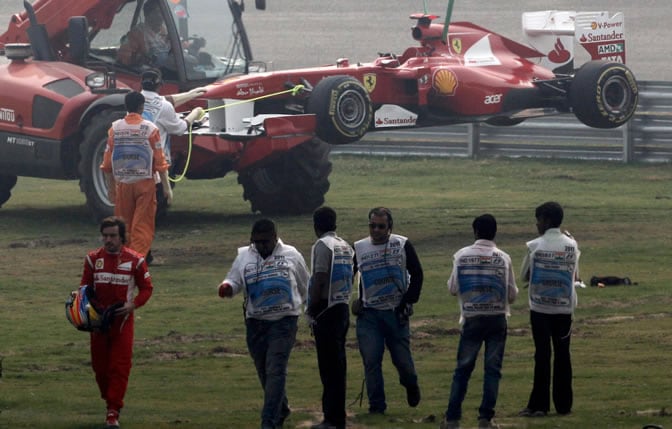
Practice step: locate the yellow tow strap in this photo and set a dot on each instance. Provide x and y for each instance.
(295, 90)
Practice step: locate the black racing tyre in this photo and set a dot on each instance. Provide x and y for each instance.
(294, 183)
(603, 94)
(91, 179)
(6, 185)
(343, 109)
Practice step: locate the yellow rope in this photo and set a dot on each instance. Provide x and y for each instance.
(294, 91)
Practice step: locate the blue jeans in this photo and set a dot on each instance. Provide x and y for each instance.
(477, 330)
(270, 343)
(375, 330)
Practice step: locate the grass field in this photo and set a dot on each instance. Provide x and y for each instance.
(191, 367)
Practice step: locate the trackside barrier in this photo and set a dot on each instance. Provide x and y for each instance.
(647, 137)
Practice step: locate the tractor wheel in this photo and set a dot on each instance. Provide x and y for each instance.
(343, 109)
(294, 183)
(91, 179)
(6, 185)
(603, 94)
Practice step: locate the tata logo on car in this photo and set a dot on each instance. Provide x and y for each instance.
(492, 99)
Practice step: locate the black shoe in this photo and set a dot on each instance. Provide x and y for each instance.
(283, 416)
(374, 411)
(413, 395)
(327, 425)
(528, 412)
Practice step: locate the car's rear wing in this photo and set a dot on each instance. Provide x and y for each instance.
(553, 32)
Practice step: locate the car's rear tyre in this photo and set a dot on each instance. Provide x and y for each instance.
(6, 185)
(603, 94)
(294, 183)
(343, 109)
(91, 179)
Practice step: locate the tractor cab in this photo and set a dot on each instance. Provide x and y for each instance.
(190, 42)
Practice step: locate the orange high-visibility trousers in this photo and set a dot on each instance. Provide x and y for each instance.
(136, 203)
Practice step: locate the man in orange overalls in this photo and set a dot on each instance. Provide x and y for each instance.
(132, 157)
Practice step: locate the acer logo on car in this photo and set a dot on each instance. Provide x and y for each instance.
(493, 99)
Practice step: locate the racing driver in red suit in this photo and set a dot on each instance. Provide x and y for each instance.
(115, 272)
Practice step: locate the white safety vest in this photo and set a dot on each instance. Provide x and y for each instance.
(553, 263)
(483, 280)
(384, 278)
(132, 155)
(274, 287)
(340, 283)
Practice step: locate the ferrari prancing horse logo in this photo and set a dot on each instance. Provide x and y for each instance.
(456, 43)
(369, 81)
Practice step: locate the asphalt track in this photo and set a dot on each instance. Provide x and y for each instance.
(302, 33)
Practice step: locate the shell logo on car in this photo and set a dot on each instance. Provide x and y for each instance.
(444, 82)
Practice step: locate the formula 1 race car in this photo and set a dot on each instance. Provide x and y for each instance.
(68, 72)
(459, 73)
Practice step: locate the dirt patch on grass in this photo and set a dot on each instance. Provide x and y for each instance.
(45, 242)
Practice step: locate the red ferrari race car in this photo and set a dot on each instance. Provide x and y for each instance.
(459, 72)
(66, 77)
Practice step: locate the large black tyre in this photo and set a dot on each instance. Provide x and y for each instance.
(343, 109)
(603, 94)
(294, 183)
(91, 179)
(6, 185)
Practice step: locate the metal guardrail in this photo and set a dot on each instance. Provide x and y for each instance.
(646, 137)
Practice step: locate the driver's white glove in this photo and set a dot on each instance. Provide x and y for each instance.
(194, 115)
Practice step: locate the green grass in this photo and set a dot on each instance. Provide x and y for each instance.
(191, 367)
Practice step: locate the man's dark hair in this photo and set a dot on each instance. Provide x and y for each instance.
(263, 226)
(324, 219)
(112, 221)
(550, 211)
(149, 7)
(151, 80)
(485, 227)
(134, 102)
(382, 211)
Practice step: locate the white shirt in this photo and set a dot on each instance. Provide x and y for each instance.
(162, 113)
